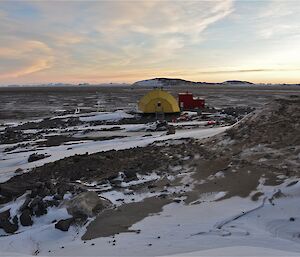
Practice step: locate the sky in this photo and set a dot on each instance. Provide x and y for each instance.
(126, 41)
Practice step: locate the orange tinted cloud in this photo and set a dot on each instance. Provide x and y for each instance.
(30, 57)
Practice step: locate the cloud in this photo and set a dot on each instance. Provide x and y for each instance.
(26, 57)
(248, 70)
(124, 34)
(110, 40)
(173, 19)
(279, 19)
(34, 66)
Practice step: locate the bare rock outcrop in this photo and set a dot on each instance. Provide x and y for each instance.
(64, 225)
(86, 204)
(6, 224)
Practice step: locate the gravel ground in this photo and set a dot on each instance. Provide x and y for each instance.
(39, 102)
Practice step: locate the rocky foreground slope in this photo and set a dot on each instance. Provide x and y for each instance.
(264, 148)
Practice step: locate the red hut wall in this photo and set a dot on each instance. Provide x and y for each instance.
(188, 102)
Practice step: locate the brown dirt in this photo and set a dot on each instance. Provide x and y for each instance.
(119, 220)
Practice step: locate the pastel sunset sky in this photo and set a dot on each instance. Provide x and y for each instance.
(125, 41)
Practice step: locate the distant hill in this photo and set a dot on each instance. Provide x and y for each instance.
(169, 82)
(237, 82)
(163, 82)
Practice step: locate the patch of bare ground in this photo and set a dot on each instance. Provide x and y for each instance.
(114, 221)
(61, 139)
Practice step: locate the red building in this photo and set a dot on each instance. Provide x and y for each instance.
(187, 101)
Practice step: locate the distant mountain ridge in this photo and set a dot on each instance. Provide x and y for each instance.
(169, 82)
(236, 82)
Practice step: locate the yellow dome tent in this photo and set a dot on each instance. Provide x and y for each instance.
(158, 100)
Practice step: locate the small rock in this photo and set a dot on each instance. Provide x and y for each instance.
(64, 225)
(25, 218)
(176, 200)
(171, 130)
(35, 202)
(18, 170)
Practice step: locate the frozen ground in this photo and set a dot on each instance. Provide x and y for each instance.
(47, 101)
(228, 191)
(262, 228)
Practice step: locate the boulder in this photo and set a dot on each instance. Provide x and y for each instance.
(14, 189)
(52, 203)
(64, 225)
(35, 202)
(25, 218)
(171, 130)
(86, 204)
(40, 209)
(5, 215)
(58, 197)
(35, 157)
(5, 223)
(130, 175)
(25, 204)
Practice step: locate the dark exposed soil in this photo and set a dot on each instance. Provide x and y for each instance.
(37, 102)
(114, 221)
(60, 139)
